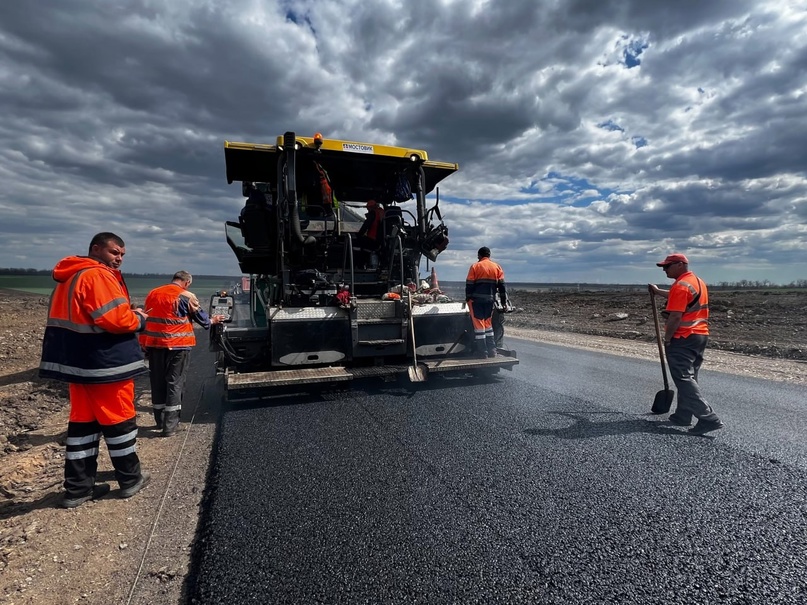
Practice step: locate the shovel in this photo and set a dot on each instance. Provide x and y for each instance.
(416, 372)
(663, 400)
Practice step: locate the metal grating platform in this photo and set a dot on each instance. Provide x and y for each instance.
(286, 377)
(276, 378)
(458, 364)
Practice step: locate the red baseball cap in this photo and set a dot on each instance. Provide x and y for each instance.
(673, 258)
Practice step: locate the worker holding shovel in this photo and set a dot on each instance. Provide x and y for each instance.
(686, 333)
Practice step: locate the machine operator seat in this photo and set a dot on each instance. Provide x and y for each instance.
(393, 217)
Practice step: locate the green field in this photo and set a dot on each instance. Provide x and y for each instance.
(139, 286)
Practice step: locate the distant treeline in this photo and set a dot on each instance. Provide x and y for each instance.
(747, 284)
(7, 271)
(743, 284)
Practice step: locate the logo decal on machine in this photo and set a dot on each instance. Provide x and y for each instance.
(357, 148)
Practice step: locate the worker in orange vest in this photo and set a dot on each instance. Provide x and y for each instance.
(485, 278)
(168, 340)
(90, 343)
(370, 230)
(370, 236)
(686, 333)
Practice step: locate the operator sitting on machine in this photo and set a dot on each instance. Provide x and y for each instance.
(370, 236)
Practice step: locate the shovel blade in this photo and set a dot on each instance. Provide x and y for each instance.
(418, 373)
(663, 401)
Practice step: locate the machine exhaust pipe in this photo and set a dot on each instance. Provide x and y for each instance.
(289, 145)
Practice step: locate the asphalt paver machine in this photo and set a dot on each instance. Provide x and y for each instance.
(326, 303)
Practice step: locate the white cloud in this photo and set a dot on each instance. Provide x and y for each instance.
(593, 137)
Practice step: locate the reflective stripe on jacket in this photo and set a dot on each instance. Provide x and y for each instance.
(165, 328)
(90, 334)
(689, 295)
(485, 278)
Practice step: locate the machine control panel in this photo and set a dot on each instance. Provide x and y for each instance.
(222, 304)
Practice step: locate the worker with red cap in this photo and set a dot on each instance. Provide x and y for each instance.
(370, 234)
(370, 231)
(686, 333)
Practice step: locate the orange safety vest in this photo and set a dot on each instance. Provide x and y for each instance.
(372, 222)
(90, 333)
(165, 329)
(484, 279)
(372, 232)
(689, 295)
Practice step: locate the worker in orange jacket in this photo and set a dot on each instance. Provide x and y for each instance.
(370, 231)
(485, 278)
(168, 340)
(686, 333)
(371, 235)
(90, 343)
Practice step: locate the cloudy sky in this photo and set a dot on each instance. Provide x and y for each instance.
(593, 136)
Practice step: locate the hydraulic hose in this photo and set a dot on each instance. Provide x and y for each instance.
(221, 341)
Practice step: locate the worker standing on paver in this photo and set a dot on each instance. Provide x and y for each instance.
(485, 278)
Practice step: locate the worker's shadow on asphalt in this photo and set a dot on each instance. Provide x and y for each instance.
(585, 428)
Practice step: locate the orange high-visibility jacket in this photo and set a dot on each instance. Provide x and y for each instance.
(90, 334)
(372, 223)
(165, 329)
(689, 295)
(485, 278)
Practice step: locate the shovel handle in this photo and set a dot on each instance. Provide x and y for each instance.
(658, 340)
(412, 329)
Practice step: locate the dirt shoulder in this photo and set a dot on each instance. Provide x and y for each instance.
(111, 551)
(137, 550)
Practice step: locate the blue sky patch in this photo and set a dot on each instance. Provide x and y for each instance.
(610, 125)
(633, 51)
(568, 190)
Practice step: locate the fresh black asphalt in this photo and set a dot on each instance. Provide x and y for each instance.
(550, 484)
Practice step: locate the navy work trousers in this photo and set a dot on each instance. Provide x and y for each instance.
(685, 357)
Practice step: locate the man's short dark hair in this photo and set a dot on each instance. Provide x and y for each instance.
(100, 239)
(182, 276)
(484, 251)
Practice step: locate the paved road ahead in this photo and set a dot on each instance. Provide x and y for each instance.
(551, 485)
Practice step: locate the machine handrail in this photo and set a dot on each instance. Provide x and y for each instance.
(397, 244)
(345, 258)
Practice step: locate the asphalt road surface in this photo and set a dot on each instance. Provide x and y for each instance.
(550, 484)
